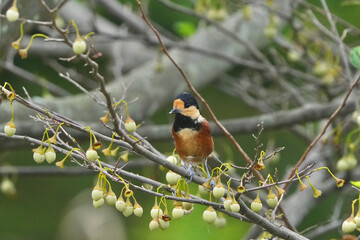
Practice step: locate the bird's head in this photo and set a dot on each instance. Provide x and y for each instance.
(185, 104)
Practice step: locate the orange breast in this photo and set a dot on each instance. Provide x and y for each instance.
(194, 145)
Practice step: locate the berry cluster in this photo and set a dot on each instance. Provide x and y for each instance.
(102, 192)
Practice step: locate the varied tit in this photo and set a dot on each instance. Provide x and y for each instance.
(191, 131)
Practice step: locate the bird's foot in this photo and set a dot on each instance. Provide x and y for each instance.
(191, 173)
(211, 182)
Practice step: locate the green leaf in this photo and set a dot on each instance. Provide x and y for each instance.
(355, 183)
(185, 29)
(355, 56)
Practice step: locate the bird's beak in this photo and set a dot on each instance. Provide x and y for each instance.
(174, 110)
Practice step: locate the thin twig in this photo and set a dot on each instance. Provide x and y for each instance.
(343, 54)
(92, 95)
(331, 118)
(197, 94)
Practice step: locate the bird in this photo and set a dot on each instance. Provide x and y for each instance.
(191, 131)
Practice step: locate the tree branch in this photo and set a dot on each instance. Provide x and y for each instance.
(331, 118)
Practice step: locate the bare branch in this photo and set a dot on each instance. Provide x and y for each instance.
(331, 118)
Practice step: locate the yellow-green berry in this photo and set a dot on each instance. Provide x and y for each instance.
(256, 205)
(219, 190)
(187, 205)
(357, 220)
(10, 129)
(154, 224)
(50, 154)
(120, 204)
(172, 159)
(178, 212)
(91, 154)
(12, 14)
(138, 210)
(247, 12)
(227, 202)
(271, 199)
(130, 125)
(220, 222)
(209, 215)
(97, 193)
(98, 203)
(172, 178)
(156, 212)
(39, 154)
(234, 207)
(7, 187)
(348, 225)
(110, 198)
(129, 208)
(164, 224)
(79, 46)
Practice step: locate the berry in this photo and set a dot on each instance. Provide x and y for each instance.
(12, 14)
(172, 159)
(138, 210)
(39, 157)
(342, 165)
(294, 55)
(156, 212)
(91, 154)
(130, 125)
(172, 178)
(217, 14)
(320, 68)
(218, 190)
(357, 220)
(79, 46)
(220, 222)
(209, 215)
(154, 224)
(202, 190)
(256, 205)
(97, 193)
(50, 154)
(247, 12)
(10, 129)
(110, 198)
(271, 199)
(227, 202)
(328, 78)
(120, 204)
(164, 224)
(348, 225)
(128, 210)
(235, 207)
(351, 160)
(187, 205)
(7, 187)
(270, 32)
(178, 212)
(98, 203)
